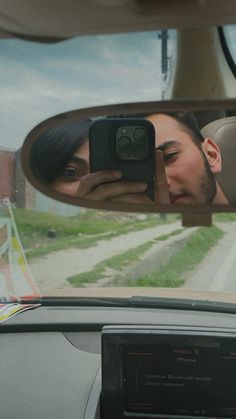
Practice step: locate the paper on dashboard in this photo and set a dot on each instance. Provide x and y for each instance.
(18, 290)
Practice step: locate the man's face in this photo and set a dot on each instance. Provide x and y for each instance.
(188, 172)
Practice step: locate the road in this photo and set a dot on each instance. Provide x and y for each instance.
(217, 271)
(51, 271)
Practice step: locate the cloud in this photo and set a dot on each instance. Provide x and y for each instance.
(40, 81)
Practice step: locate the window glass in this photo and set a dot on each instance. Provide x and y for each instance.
(230, 39)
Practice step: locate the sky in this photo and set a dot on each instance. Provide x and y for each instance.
(41, 80)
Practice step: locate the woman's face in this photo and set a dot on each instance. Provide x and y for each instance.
(77, 167)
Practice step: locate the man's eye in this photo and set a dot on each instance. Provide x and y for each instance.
(170, 156)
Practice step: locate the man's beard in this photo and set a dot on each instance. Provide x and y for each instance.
(208, 183)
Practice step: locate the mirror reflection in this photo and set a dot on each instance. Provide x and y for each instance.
(156, 158)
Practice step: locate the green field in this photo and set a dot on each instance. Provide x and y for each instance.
(79, 231)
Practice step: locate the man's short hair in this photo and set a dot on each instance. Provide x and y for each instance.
(189, 121)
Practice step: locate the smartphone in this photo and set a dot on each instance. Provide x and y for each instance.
(124, 144)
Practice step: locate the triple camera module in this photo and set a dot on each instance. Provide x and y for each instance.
(131, 142)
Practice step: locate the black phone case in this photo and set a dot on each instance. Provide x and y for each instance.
(102, 157)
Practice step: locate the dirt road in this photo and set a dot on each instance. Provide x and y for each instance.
(217, 271)
(51, 271)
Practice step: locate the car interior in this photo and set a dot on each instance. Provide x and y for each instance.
(222, 130)
(97, 318)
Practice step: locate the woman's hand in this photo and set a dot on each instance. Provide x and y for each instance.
(161, 192)
(105, 186)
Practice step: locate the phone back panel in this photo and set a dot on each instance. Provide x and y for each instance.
(103, 151)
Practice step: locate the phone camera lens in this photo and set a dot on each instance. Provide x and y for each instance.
(140, 151)
(140, 134)
(124, 145)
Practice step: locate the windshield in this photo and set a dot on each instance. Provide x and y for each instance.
(71, 251)
(42, 80)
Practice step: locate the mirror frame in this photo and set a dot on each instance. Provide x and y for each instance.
(191, 214)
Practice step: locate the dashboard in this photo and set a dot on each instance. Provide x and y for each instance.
(51, 360)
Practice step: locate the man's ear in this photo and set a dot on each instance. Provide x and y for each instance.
(213, 155)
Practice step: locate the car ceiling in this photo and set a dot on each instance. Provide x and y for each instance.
(54, 20)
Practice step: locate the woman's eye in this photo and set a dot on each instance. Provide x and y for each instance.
(170, 156)
(70, 172)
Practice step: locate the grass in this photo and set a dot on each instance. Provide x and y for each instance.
(117, 262)
(29, 221)
(173, 273)
(225, 217)
(114, 262)
(64, 243)
(80, 231)
(166, 236)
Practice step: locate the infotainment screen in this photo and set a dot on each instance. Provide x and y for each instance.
(153, 374)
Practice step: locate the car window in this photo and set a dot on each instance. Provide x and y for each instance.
(229, 36)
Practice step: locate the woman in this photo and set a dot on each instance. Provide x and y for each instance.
(52, 152)
(60, 157)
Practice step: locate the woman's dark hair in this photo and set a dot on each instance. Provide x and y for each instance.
(53, 149)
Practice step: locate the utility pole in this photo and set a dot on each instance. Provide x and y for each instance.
(163, 36)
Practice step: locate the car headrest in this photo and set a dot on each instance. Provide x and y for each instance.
(223, 131)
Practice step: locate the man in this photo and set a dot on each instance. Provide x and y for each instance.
(191, 162)
(186, 166)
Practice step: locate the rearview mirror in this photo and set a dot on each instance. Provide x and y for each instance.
(137, 157)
